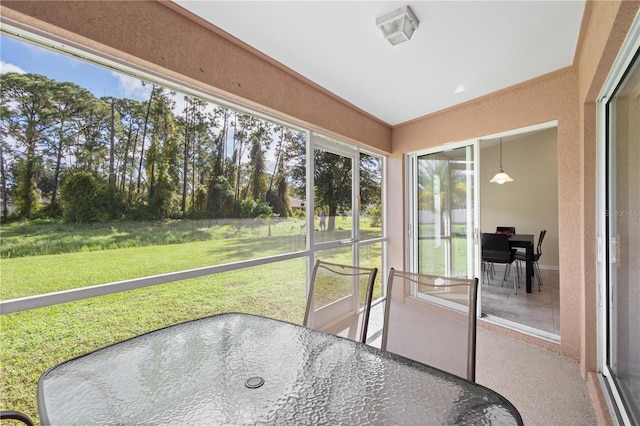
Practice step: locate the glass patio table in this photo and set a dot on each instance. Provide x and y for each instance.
(244, 369)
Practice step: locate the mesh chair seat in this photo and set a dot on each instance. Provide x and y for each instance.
(432, 320)
(339, 300)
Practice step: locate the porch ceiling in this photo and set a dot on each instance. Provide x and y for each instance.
(482, 46)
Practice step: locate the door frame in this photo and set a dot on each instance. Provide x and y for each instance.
(411, 209)
(606, 246)
(411, 176)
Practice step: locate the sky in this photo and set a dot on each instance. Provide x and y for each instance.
(18, 56)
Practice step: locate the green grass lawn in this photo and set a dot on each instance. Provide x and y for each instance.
(47, 256)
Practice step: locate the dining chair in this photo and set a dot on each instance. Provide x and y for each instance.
(432, 320)
(522, 257)
(339, 300)
(496, 249)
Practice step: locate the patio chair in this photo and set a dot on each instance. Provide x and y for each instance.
(339, 300)
(16, 415)
(432, 320)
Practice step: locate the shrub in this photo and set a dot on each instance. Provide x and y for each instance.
(85, 198)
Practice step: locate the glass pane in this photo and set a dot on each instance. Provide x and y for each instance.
(142, 182)
(341, 255)
(333, 186)
(370, 197)
(624, 229)
(35, 340)
(371, 257)
(445, 213)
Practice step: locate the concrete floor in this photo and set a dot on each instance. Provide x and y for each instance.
(546, 388)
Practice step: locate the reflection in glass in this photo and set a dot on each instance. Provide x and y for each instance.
(445, 212)
(370, 196)
(624, 228)
(333, 188)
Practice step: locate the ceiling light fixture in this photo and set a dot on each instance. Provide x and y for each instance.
(501, 177)
(398, 26)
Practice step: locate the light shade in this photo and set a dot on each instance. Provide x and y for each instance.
(398, 26)
(501, 178)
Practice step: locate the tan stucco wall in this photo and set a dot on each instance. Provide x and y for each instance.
(604, 29)
(551, 97)
(162, 37)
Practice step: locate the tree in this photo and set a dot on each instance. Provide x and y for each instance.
(69, 102)
(162, 165)
(4, 166)
(333, 183)
(258, 164)
(132, 118)
(195, 125)
(27, 110)
(92, 141)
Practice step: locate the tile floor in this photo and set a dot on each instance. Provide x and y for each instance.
(539, 309)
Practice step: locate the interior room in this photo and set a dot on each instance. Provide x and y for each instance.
(530, 205)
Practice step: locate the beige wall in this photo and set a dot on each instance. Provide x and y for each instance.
(530, 202)
(548, 98)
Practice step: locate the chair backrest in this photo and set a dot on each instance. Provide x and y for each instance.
(339, 300)
(496, 249)
(432, 319)
(510, 229)
(539, 249)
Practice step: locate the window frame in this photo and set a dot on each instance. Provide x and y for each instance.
(62, 46)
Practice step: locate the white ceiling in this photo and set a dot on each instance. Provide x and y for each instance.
(483, 46)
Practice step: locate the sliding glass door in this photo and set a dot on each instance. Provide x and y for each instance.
(347, 222)
(445, 212)
(620, 229)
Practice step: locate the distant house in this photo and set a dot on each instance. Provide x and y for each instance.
(296, 204)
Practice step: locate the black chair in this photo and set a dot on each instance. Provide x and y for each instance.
(16, 415)
(510, 229)
(496, 249)
(522, 257)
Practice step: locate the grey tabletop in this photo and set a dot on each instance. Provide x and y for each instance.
(238, 369)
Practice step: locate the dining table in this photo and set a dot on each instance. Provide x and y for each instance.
(244, 369)
(524, 241)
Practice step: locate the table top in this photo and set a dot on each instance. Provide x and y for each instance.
(522, 237)
(245, 369)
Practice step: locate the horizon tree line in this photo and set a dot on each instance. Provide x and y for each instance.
(66, 153)
(203, 161)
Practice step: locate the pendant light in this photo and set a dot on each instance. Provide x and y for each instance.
(501, 177)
